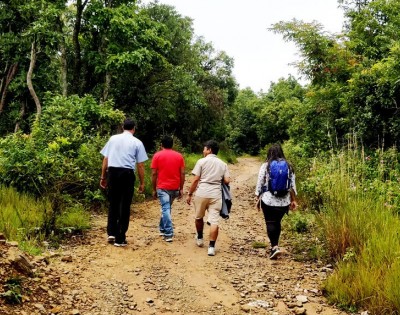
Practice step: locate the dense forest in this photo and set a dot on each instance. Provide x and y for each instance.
(146, 62)
(70, 71)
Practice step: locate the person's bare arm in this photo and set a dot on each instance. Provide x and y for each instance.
(182, 171)
(192, 188)
(154, 175)
(227, 180)
(140, 170)
(293, 202)
(103, 178)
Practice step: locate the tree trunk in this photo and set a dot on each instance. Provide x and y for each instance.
(102, 49)
(21, 116)
(12, 71)
(29, 81)
(106, 90)
(77, 46)
(63, 59)
(3, 78)
(64, 69)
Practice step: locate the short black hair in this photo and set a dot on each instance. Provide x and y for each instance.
(129, 124)
(213, 145)
(167, 142)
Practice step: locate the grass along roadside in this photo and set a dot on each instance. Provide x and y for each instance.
(27, 220)
(359, 222)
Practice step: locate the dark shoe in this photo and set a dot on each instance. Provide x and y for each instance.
(111, 239)
(121, 244)
(275, 252)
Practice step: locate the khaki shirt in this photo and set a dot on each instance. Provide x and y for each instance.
(211, 171)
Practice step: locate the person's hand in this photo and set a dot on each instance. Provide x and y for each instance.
(103, 182)
(141, 188)
(154, 194)
(293, 205)
(258, 203)
(189, 199)
(180, 194)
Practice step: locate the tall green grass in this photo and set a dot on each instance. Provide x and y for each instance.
(359, 220)
(29, 221)
(22, 215)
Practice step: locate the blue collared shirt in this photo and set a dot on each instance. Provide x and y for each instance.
(124, 150)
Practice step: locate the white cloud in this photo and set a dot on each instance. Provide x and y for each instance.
(241, 29)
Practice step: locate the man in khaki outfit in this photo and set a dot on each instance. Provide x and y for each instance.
(209, 172)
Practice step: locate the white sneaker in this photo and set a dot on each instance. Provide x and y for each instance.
(200, 242)
(111, 239)
(211, 251)
(121, 244)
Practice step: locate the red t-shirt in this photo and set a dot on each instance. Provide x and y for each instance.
(168, 164)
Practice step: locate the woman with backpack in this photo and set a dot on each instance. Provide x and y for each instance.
(276, 193)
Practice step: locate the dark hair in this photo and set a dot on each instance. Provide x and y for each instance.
(129, 124)
(275, 152)
(213, 145)
(167, 142)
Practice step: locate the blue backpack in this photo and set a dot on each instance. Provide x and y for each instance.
(279, 177)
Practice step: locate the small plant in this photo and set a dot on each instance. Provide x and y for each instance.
(259, 245)
(31, 247)
(350, 255)
(13, 291)
(300, 222)
(75, 218)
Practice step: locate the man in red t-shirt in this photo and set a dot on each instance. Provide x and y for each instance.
(167, 177)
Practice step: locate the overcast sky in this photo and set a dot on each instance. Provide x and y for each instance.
(241, 29)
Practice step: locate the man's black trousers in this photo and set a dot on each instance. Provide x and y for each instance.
(121, 182)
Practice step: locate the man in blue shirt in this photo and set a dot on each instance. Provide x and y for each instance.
(121, 154)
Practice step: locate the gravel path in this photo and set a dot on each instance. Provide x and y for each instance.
(151, 276)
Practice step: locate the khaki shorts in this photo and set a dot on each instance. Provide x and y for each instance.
(213, 205)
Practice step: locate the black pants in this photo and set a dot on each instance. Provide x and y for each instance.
(121, 182)
(273, 217)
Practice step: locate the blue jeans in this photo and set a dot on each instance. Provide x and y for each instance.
(166, 198)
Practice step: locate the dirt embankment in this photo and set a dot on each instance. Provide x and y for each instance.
(151, 276)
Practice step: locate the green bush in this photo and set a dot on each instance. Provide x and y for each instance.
(190, 161)
(226, 154)
(58, 162)
(61, 155)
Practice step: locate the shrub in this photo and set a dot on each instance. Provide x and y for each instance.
(61, 155)
(58, 162)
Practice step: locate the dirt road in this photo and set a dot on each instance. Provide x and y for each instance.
(151, 276)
